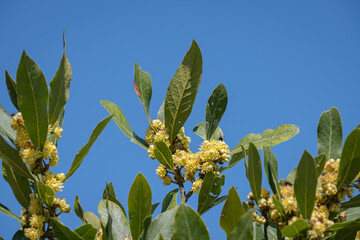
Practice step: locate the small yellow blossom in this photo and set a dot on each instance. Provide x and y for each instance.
(61, 204)
(196, 185)
(37, 221)
(58, 131)
(33, 233)
(167, 180)
(161, 171)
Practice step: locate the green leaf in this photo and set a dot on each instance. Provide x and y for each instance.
(271, 170)
(112, 216)
(269, 137)
(189, 225)
(162, 225)
(11, 157)
(78, 209)
(5, 126)
(20, 235)
(296, 229)
(63, 232)
(59, 89)
(291, 177)
(153, 208)
(215, 109)
(348, 224)
(86, 231)
(243, 230)
(352, 213)
(350, 159)
(279, 206)
(123, 124)
(86, 148)
(46, 193)
(142, 86)
(6, 211)
(19, 184)
(353, 202)
(12, 89)
(200, 130)
(231, 211)
(169, 201)
(109, 194)
(161, 114)
(182, 90)
(320, 161)
(305, 184)
(272, 232)
(163, 155)
(254, 171)
(209, 191)
(347, 234)
(139, 204)
(235, 158)
(329, 134)
(32, 93)
(92, 219)
(258, 231)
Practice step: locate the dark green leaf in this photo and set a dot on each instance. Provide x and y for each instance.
(46, 193)
(19, 184)
(243, 230)
(142, 86)
(209, 191)
(163, 155)
(153, 207)
(349, 224)
(200, 130)
(20, 235)
(320, 161)
(305, 184)
(92, 219)
(147, 222)
(254, 171)
(215, 109)
(269, 137)
(162, 225)
(271, 170)
(231, 211)
(5, 126)
(169, 201)
(279, 206)
(347, 234)
(139, 204)
(189, 225)
(329, 134)
(182, 90)
(86, 231)
(86, 148)
(78, 209)
(109, 194)
(353, 202)
(6, 211)
(296, 229)
(123, 124)
(160, 114)
(59, 89)
(112, 216)
(12, 89)
(63, 232)
(11, 157)
(32, 93)
(219, 200)
(245, 206)
(350, 159)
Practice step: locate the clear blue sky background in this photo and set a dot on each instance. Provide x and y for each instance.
(281, 61)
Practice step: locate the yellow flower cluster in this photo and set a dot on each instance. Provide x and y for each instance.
(196, 185)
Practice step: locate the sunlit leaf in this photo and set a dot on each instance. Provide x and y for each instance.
(6, 211)
(200, 130)
(296, 229)
(92, 219)
(162, 225)
(63, 232)
(160, 114)
(109, 194)
(163, 155)
(231, 211)
(143, 89)
(320, 161)
(5, 126)
(243, 230)
(86, 231)
(46, 193)
(78, 209)
(170, 200)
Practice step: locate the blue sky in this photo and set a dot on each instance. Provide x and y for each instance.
(281, 61)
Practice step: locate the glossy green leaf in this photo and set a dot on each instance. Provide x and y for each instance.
(92, 219)
(162, 225)
(296, 229)
(269, 137)
(305, 184)
(279, 206)
(161, 114)
(32, 95)
(329, 134)
(209, 191)
(59, 89)
(19, 184)
(86, 148)
(154, 207)
(254, 171)
(231, 211)
(63, 232)
(215, 109)
(123, 124)
(20, 235)
(78, 209)
(139, 204)
(11, 157)
(113, 217)
(189, 225)
(170, 200)
(6, 211)
(347, 234)
(352, 213)
(350, 159)
(5, 126)
(182, 90)
(109, 194)
(353, 202)
(200, 130)
(320, 161)
(46, 193)
(258, 231)
(348, 224)
(87, 232)
(143, 89)
(243, 230)
(271, 169)
(12, 89)
(163, 155)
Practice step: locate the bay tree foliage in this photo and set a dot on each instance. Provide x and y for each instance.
(318, 200)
